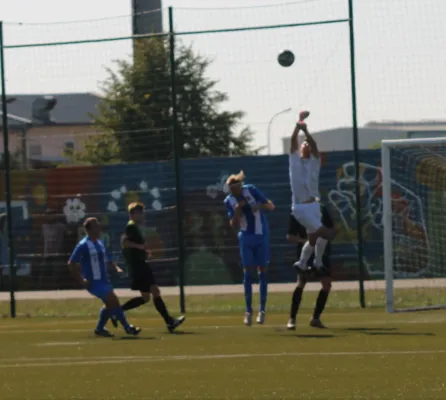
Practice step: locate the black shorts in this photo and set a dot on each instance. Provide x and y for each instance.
(142, 278)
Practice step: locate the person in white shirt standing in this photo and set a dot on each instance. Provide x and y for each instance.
(305, 164)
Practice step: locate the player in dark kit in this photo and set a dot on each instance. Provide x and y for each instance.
(297, 234)
(136, 253)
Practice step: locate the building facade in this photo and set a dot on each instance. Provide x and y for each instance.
(371, 135)
(43, 127)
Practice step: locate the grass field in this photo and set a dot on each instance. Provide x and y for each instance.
(365, 354)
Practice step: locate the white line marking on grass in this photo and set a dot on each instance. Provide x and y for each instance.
(231, 289)
(44, 331)
(50, 344)
(432, 316)
(72, 361)
(434, 319)
(93, 319)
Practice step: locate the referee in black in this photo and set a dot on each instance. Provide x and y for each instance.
(297, 234)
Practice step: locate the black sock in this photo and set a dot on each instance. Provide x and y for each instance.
(295, 303)
(133, 303)
(162, 309)
(320, 303)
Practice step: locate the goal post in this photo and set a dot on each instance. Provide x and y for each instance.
(414, 223)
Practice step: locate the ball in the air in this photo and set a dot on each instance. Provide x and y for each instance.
(286, 58)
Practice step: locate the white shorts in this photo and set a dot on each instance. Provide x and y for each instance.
(308, 215)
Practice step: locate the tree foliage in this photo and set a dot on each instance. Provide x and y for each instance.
(135, 116)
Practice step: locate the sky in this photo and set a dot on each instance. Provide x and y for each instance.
(400, 55)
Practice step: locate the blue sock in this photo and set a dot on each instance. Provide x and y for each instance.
(263, 286)
(104, 315)
(119, 314)
(247, 282)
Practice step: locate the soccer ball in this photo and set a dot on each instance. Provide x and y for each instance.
(286, 58)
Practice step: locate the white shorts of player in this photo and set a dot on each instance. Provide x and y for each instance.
(308, 215)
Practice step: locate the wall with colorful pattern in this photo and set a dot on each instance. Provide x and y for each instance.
(77, 192)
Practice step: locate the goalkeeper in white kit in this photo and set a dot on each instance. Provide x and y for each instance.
(304, 166)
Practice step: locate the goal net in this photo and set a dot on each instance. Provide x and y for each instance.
(414, 223)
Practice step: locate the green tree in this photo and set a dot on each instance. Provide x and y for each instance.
(101, 148)
(135, 116)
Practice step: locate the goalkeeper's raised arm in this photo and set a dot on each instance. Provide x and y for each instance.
(294, 148)
(301, 125)
(309, 143)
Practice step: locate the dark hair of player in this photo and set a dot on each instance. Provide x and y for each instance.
(88, 222)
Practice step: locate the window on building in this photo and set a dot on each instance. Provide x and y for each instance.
(35, 150)
(69, 145)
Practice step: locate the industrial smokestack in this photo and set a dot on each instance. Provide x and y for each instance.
(147, 17)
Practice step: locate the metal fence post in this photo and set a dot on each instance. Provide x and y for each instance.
(356, 156)
(177, 152)
(7, 177)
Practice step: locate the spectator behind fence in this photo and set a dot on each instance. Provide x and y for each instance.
(52, 272)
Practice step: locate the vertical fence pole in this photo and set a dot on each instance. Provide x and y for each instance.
(356, 156)
(177, 152)
(7, 177)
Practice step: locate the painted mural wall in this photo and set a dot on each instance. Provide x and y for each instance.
(50, 205)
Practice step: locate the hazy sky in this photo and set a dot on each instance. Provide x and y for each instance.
(400, 47)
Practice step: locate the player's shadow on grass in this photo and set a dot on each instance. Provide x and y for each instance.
(387, 332)
(314, 336)
(309, 336)
(303, 335)
(370, 329)
(179, 333)
(400, 333)
(131, 338)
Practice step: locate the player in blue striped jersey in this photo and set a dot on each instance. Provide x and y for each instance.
(246, 206)
(88, 264)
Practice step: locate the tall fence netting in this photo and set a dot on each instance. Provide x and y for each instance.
(110, 131)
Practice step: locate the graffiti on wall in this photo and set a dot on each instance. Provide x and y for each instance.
(409, 225)
(219, 187)
(126, 196)
(210, 244)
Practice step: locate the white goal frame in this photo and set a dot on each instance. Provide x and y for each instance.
(387, 221)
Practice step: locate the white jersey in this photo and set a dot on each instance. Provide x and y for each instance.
(304, 177)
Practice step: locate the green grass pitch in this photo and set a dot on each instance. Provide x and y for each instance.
(365, 354)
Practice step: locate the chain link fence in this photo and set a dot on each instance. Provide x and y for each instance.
(93, 123)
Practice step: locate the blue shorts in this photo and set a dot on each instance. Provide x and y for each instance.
(100, 289)
(254, 250)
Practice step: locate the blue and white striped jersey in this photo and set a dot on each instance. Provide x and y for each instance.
(251, 223)
(93, 258)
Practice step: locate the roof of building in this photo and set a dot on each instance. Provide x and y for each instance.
(70, 108)
(371, 135)
(14, 121)
(423, 125)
